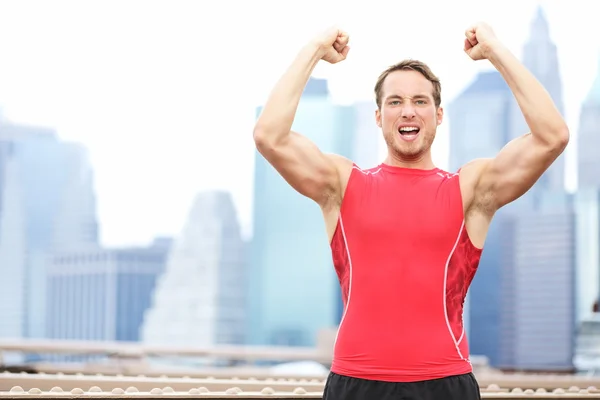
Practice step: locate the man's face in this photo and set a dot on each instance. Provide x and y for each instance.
(408, 116)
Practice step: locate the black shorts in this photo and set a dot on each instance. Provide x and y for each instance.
(459, 387)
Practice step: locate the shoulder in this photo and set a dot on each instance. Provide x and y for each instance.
(341, 162)
(342, 165)
(346, 167)
(474, 168)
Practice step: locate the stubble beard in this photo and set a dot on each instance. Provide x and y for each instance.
(409, 150)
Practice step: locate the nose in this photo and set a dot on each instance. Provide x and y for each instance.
(408, 111)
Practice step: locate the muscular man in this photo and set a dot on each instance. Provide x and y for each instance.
(406, 237)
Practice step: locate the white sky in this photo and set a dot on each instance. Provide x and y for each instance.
(163, 93)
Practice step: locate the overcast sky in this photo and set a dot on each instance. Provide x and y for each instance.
(163, 92)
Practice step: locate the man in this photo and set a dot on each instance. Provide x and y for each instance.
(406, 237)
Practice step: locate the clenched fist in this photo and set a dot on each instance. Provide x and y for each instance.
(480, 41)
(333, 45)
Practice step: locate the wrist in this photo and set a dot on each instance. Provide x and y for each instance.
(494, 50)
(312, 53)
(314, 48)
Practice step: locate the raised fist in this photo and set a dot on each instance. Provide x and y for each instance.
(480, 40)
(333, 45)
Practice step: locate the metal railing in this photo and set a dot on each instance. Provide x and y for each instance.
(60, 386)
(49, 382)
(139, 351)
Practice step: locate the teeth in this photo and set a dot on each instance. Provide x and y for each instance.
(408, 129)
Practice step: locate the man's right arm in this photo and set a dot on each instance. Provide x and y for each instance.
(298, 160)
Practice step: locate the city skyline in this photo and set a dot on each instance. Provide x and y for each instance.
(162, 107)
(200, 281)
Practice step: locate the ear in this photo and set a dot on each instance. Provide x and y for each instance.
(440, 115)
(378, 117)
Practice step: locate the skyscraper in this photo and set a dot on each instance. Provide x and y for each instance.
(9, 132)
(480, 126)
(540, 56)
(479, 119)
(200, 299)
(48, 202)
(505, 303)
(588, 203)
(5, 152)
(588, 141)
(13, 255)
(543, 325)
(293, 287)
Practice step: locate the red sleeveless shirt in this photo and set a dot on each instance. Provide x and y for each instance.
(404, 261)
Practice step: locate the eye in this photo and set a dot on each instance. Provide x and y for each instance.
(421, 102)
(394, 102)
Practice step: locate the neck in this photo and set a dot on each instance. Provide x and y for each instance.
(421, 161)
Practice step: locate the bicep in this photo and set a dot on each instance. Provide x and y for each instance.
(515, 169)
(302, 164)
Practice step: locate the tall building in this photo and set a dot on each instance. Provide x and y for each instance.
(544, 285)
(587, 272)
(5, 153)
(294, 291)
(540, 56)
(588, 138)
(13, 255)
(76, 222)
(482, 120)
(588, 230)
(543, 317)
(200, 299)
(479, 127)
(47, 204)
(101, 294)
(9, 133)
(479, 119)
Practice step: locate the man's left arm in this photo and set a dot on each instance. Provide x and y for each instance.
(517, 167)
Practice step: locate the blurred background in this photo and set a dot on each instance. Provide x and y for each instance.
(135, 208)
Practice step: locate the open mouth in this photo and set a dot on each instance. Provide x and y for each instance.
(408, 132)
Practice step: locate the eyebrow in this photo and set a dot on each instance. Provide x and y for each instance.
(417, 96)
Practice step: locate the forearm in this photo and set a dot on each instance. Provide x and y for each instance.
(277, 116)
(538, 108)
